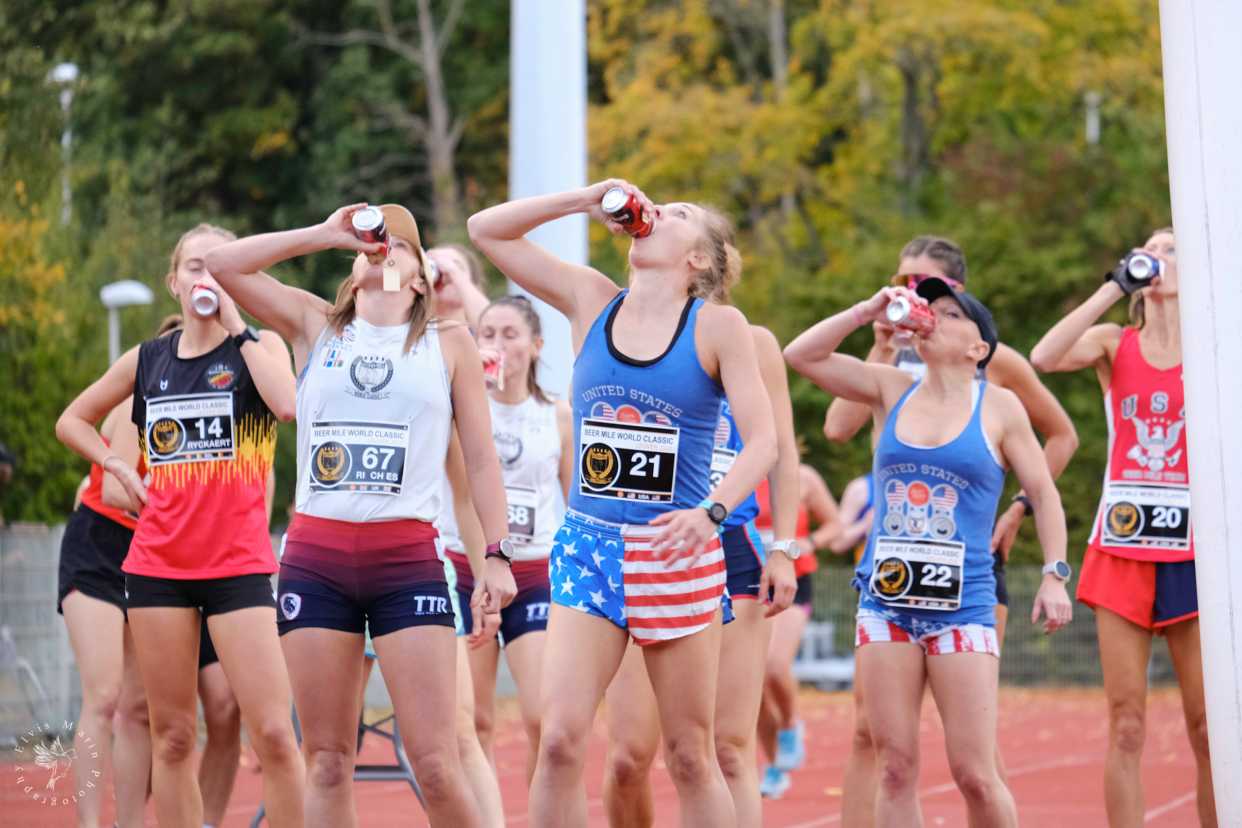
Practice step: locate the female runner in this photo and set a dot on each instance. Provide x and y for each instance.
(633, 720)
(206, 399)
(781, 732)
(1139, 571)
(91, 596)
(534, 438)
(648, 384)
(926, 582)
(382, 385)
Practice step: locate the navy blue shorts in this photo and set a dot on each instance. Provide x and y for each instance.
(744, 560)
(528, 611)
(312, 604)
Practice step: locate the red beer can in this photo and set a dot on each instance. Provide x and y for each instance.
(369, 225)
(623, 208)
(493, 374)
(908, 317)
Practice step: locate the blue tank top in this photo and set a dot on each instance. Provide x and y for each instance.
(643, 429)
(728, 447)
(929, 554)
(870, 494)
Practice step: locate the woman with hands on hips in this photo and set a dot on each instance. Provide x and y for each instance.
(382, 383)
(926, 586)
(639, 554)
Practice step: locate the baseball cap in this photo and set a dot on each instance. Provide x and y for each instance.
(401, 222)
(933, 288)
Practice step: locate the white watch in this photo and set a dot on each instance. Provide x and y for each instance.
(791, 548)
(1060, 570)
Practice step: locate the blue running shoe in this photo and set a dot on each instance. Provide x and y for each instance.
(791, 748)
(774, 783)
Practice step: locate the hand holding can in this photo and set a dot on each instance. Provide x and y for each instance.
(493, 373)
(204, 301)
(625, 209)
(909, 318)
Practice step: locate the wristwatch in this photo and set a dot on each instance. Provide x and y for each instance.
(1026, 502)
(791, 548)
(502, 550)
(1060, 570)
(715, 511)
(248, 335)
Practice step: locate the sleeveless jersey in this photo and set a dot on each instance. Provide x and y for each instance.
(805, 564)
(909, 361)
(208, 439)
(728, 446)
(373, 426)
(92, 497)
(1144, 510)
(529, 446)
(446, 523)
(644, 429)
(930, 552)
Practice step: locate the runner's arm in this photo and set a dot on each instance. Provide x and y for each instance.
(565, 430)
(575, 290)
(821, 508)
(125, 445)
(845, 418)
(1076, 342)
(856, 524)
(778, 572)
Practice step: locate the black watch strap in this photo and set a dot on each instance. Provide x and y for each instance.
(1025, 501)
(248, 335)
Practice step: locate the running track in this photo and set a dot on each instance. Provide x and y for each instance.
(1054, 743)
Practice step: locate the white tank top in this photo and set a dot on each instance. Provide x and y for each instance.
(373, 426)
(446, 523)
(529, 445)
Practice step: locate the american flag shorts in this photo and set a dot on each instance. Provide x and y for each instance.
(935, 638)
(612, 571)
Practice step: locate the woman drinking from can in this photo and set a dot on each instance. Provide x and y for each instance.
(382, 384)
(206, 401)
(639, 553)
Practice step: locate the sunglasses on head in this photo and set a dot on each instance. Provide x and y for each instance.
(911, 280)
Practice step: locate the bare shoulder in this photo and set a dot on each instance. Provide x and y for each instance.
(1005, 403)
(455, 340)
(563, 410)
(764, 338)
(1107, 334)
(722, 321)
(810, 477)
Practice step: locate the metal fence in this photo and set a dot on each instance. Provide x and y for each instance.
(1070, 657)
(39, 680)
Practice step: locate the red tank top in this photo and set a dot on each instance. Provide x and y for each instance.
(763, 523)
(92, 498)
(1144, 511)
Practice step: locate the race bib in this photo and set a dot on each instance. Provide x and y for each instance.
(722, 461)
(1147, 515)
(189, 428)
(521, 513)
(358, 457)
(918, 574)
(629, 460)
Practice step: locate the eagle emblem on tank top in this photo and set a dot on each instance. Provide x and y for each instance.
(369, 376)
(508, 448)
(1155, 440)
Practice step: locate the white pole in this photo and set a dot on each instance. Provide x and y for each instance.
(1203, 119)
(114, 335)
(547, 144)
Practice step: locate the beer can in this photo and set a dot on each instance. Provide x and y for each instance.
(493, 374)
(204, 301)
(624, 208)
(905, 315)
(369, 225)
(1142, 266)
(433, 271)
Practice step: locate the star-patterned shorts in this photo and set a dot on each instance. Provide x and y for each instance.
(934, 637)
(611, 571)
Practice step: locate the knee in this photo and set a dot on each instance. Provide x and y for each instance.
(862, 735)
(1128, 727)
(223, 719)
(435, 772)
(689, 760)
(733, 759)
(977, 783)
(272, 738)
(330, 767)
(629, 767)
(174, 740)
(1197, 730)
(104, 701)
(898, 768)
(484, 722)
(560, 748)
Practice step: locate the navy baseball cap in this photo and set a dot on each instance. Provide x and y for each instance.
(933, 288)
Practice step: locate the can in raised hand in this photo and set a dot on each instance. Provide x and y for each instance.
(204, 301)
(625, 209)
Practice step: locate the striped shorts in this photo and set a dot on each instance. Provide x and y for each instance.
(611, 571)
(935, 639)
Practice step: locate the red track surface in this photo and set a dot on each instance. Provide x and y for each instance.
(1054, 743)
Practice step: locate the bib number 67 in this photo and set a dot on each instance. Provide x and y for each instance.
(371, 457)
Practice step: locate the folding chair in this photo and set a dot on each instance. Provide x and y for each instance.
(399, 772)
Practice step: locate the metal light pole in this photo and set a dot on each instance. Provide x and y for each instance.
(547, 145)
(119, 295)
(65, 73)
(1203, 119)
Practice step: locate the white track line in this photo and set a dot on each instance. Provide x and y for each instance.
(1169, 806)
